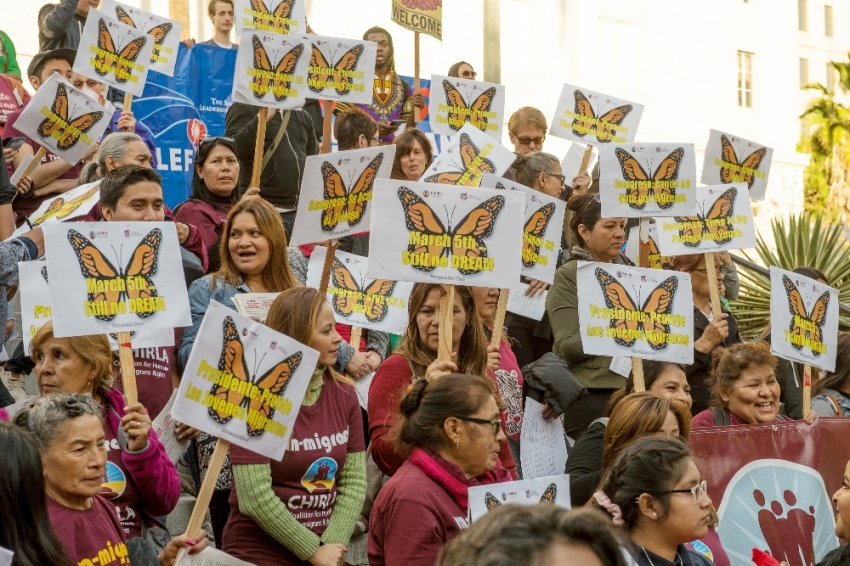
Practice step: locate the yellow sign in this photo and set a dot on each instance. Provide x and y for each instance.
(425, 16)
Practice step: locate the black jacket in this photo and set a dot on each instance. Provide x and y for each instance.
(698, 371)
(59, 25)
(280, 182)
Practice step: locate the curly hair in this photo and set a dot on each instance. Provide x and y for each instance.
(729, 363)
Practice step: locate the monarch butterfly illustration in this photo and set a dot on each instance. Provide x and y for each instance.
(272, 23)
(660, 301)
(717, 223)
(656, 260)
(321, 70)
(158, 33)
(668, 170)
(550, 494)
(274, 381)
(478, 224)
(474, 166)
(597, 125)
(58, 208)
(353, 201)
(491, 502)
(816, 319)
(454, 99)
(67, 132)
(95, 265)
(121, 62)
(374, 310)
(536, 227)
(261, 83)
(44, 274)
(752, 161)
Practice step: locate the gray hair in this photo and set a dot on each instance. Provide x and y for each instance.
(114, 146)
(46, 418)
(532, 165)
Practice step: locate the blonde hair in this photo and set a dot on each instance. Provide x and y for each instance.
(527, 116)
(93, 349)
(211, 6)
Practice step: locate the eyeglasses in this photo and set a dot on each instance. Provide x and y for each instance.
(697, 491)
(496, 424)
(561, 178)
(469, 74)
(214, 138)
(374, 141)
(723, 271)
(527, 141)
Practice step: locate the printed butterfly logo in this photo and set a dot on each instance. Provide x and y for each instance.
(44, 274)
(61, 209)
(364, 298)
(478, 224)
(536, 228)
(752, 161)
(69, 128)
(261, 83)
(715, 226)
(454, 99)
(600, 126)
(649, 191)
(656, 260)
(549, 496)
(321, 70)
(120, 63)
(158, 33)
(95, 265)
(274, 381)
(474, 166)
(353, 202)
(805, 326)
(272, 20)
(660, 301)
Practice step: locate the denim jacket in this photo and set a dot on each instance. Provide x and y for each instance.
(825, 408)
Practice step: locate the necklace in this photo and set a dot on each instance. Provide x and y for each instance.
(651, 563)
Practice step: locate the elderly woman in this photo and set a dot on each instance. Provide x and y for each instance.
(413, 155)
(451, 433)
(69, 433)
(141, 482)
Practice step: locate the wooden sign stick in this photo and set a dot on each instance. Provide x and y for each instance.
(36, 161)
(447, 302)
(128, 102)
(585, 159)
(499, 317)
(643, 242)
(643, 261)
(713, 292)
(259, 146)
(568, 215)
(128, 368)
(807, 389)
(326, 268)
(202, 502)
(416, 73)
(356, 332)
(326, 126)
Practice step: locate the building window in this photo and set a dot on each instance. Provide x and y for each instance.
(745, 79)
(830, 77)
(802, 17)
(827, 21)
(804, 72)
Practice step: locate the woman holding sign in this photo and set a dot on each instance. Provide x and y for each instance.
(303, 508)
(599, 239)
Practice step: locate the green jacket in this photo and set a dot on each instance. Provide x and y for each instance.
(8, 59)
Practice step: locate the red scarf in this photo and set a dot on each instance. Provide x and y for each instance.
(450, 476)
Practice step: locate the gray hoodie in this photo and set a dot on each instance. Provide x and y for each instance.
(59, 25)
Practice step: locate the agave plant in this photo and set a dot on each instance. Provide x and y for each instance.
(802, 240)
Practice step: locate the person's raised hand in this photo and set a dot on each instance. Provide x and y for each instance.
(535, 287)
(494, 357)
(183, 232)
(417, 100)
(549, 412)
(328, 555)
(137, 426)
(581, 183)
(24, 185)
(253, 193)
(189, 43)
(439, 368)
(715, 333)
(127, 123)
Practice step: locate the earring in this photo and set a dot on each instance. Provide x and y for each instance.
(457, 445)
(654, 515)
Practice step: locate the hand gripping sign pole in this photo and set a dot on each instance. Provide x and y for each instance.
(128, 368)
(202, 502)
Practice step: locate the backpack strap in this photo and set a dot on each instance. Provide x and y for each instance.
(834, 405)
(722, 417)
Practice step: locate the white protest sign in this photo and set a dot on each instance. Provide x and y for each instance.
(730, 159)
(543, 447)
(647, 180)
(467, 158)
(377, 304)
(530, 306)
(116, 277)
(633, 311)
(454, 236)
(655, 259)
(342, 69)
(114, 53)
(804, 319)
(63, 119)
(542, 228)
(244, 382)
(284, 17)
(724, 221)
(254, 305)
(335, 193)
(6, 556)
(77, 202)
(165, 33)
(554, 490)
(592, 117)
(455, 102)
(271, 70)
(572, 161)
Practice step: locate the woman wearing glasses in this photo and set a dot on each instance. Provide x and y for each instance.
(451, 434)
(462, 70)
(655, 492)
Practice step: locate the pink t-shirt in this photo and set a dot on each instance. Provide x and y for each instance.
(89, 536)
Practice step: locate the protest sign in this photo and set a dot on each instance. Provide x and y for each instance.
(77, 202)
(284, 17)
(254, 305)
(467, 158)
(804, 319)
(165, 33)
(592, 117)
(6, 556)
(554, 490)
(647, 180)
(378, 304)
(451, 236)
(244, 380)
(114, 53)
(460, 101)
(724, 221)
(542, 228)
(425, 17)
(63, 119)
(655, 259)
(649, 312)
(36, 304)
(335, 193)
(271, 70)
(730, 159)
(543, 448)
(116, 277)
(342, 69)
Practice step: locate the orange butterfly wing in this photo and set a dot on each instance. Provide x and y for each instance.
(342, 279)
(60, 107)
(317, 62)
(550, 494)
(361, 192)
(473, 164)
(445, 178)
(659, 301)
(668, 170)
(719, 219)
(420, 218)
(633, 171)
(143, 264)
(274, 381)
(583, 108)
(798, 309)
(454, 100)
(232, 361)
(128, 55)
(259, 83)
(348, 62)
(286, 66)
(752, 162)
(536, 228)
(482, 104)
(478, 224)
(102, 64)
(334, 189)
(52, 210)
(614, 117)
(491, 502)
(728, 175)
(617, 297)
(374, 299)
(124, 17)
(94, 265)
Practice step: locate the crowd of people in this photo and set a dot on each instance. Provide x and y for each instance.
(85, 479)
